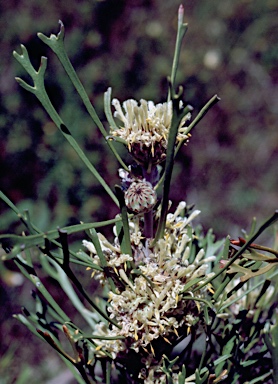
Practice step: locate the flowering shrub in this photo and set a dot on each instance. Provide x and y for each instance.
(176, 306)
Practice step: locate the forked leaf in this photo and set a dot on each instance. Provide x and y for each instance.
(182, 375)
(201, 376)
(56, 43)
(39, 91)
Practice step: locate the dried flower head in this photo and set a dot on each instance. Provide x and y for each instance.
(146, 128)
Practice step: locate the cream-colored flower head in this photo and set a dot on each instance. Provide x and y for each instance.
(146, 128)
(151, 305)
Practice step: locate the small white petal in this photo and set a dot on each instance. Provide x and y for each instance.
(90, 246)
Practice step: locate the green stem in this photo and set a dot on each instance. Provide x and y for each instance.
(108, 372)
(125, 243)
(148, 217)
(178, 114)
(110, 119)
(182, 28)
(39, 238)
(102, 258)
(66, 268)
(176, 119)
(29, 272)
(198, 118)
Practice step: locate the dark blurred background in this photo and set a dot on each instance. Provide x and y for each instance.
(229, 168)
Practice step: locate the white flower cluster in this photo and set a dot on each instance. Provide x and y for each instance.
(147, 124)
(152, 305)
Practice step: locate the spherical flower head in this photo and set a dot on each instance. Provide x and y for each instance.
(140, 197)
(146, 128)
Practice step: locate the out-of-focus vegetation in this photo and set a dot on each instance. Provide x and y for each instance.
(229, 168)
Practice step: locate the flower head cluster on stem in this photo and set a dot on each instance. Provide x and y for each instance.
(151, 304)
(146, 128)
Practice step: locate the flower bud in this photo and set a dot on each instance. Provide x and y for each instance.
(140, 197)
